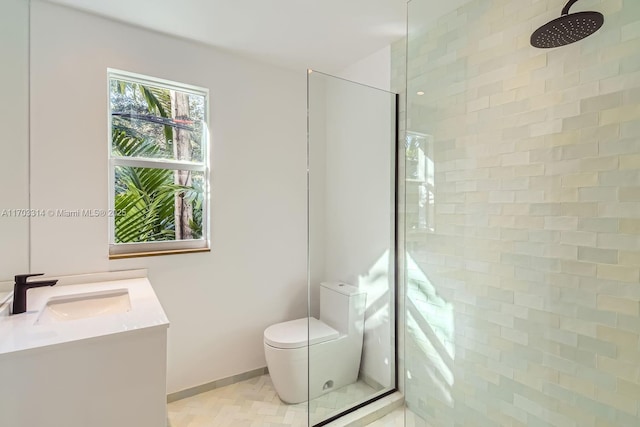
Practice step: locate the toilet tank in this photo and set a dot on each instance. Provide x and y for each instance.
(342, 306)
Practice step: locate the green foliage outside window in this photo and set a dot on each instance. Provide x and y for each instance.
(155, 124)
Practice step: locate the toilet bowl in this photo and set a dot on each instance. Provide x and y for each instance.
(309, 357)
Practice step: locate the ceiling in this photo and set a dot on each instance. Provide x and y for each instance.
(327, 35)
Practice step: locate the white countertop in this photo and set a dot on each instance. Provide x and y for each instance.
(21, 332)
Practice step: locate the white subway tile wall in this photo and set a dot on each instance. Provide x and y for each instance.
(523, 297)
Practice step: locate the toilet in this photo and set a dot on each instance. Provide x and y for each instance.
(309, 357)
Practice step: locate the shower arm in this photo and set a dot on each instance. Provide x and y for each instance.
(565, 9)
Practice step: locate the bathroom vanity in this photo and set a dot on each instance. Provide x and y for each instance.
(85, 354)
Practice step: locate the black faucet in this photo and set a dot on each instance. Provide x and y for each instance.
(20, 290)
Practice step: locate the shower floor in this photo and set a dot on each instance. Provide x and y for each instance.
(398, 418)
(254, 403)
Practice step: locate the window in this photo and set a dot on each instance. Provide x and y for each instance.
(420, 177)
(158, 165)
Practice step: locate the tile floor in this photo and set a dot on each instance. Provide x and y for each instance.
(333, 403)
(398, 418)
(254, 403)
(394, 419)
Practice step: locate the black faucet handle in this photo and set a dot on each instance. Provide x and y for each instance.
(22, 278)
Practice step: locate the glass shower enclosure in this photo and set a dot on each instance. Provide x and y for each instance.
(522, 215)
(352, 133)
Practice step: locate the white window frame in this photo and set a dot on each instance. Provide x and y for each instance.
(121, 250)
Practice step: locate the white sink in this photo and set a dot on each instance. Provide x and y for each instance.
(5, 304)
(75, 334)
(79, 308)
(82, 306)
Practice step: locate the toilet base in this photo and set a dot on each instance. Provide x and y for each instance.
(288, 372)
(333, 365)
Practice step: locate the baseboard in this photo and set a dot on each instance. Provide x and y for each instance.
(183, 394)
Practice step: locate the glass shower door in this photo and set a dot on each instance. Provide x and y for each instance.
(352, 197)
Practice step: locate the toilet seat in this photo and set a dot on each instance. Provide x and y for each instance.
(299, 333)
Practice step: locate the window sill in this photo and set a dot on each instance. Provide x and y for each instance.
(158, 253)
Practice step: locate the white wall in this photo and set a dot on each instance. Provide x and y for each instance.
(14, 122)
(317, 187)
(352, 201)
(359, 210)
(220, 302)
(372, 70)
(523, 301)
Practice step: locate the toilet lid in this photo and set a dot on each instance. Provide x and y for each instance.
(293, 334)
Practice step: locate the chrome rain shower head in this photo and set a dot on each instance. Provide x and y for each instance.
(567, 29)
